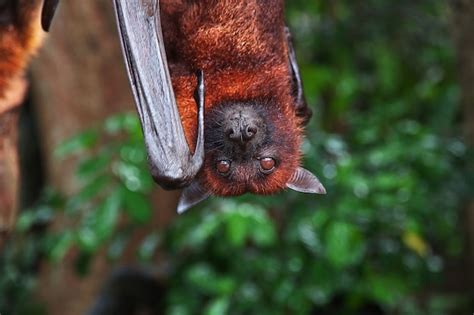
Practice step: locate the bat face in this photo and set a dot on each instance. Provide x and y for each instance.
(250, 147)
(246, 149)
(241, 132)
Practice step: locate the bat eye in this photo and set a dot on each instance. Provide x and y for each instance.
(267, 165)
(223, 167)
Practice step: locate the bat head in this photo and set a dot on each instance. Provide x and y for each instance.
(250, 147)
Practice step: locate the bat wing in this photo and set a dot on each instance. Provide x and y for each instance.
(172, 163)
(47, 14)
(302, 109)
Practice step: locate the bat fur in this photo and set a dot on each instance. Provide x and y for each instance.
(21, 36)
(241, 47)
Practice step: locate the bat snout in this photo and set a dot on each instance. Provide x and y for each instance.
(242, 133)
(242, 125)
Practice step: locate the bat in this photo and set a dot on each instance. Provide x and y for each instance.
(218, 93)
(219, 96)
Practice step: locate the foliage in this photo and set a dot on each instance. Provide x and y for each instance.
(114, 196)
(19, 259)
(385, 142)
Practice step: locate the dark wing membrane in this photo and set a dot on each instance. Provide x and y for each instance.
(47, 14)
(172, 164)
(301, 107)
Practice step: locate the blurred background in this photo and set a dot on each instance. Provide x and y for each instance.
(390, 84)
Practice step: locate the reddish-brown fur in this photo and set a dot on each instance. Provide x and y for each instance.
(241, 48)
(19, 39)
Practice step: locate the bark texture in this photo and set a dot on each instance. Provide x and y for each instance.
(79, 79)
(9, 112)
(19, 40)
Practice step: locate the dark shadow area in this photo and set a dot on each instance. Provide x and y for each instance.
(130, 292)
(31, 162)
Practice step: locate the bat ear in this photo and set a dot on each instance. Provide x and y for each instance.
(191, 196)
(304, 181)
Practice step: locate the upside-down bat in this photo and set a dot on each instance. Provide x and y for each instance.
(246, 130)
(218, 93)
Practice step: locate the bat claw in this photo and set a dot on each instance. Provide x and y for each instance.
(199, 92)
(49, 8)
(301, 107)
(199, 96)
(191, 196)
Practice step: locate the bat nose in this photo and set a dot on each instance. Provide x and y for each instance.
(249, 131)
(242, 133)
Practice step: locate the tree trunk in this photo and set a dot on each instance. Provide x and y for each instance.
(19, 39)
(9, 112)
(463, 25)
(79, 79)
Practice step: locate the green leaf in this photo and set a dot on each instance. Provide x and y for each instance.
(248, 221)
(99, 224)
(82, 141)
(87, 193)
(206, 280)
(137, 206)
(387, 289)
(218, 307)
(133, 153)
(344, 244)
(264, 234)
(134, 177)
(202, 231)
(320, 218)
(60, 245)
(122, 122)
(92, 166)
(106, 216)
(236, 229)
(179, 310)
(87, 240)
(25, 221)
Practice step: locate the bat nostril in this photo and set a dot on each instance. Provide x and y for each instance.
(233, 134)
(249, 132)
(240, 129)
